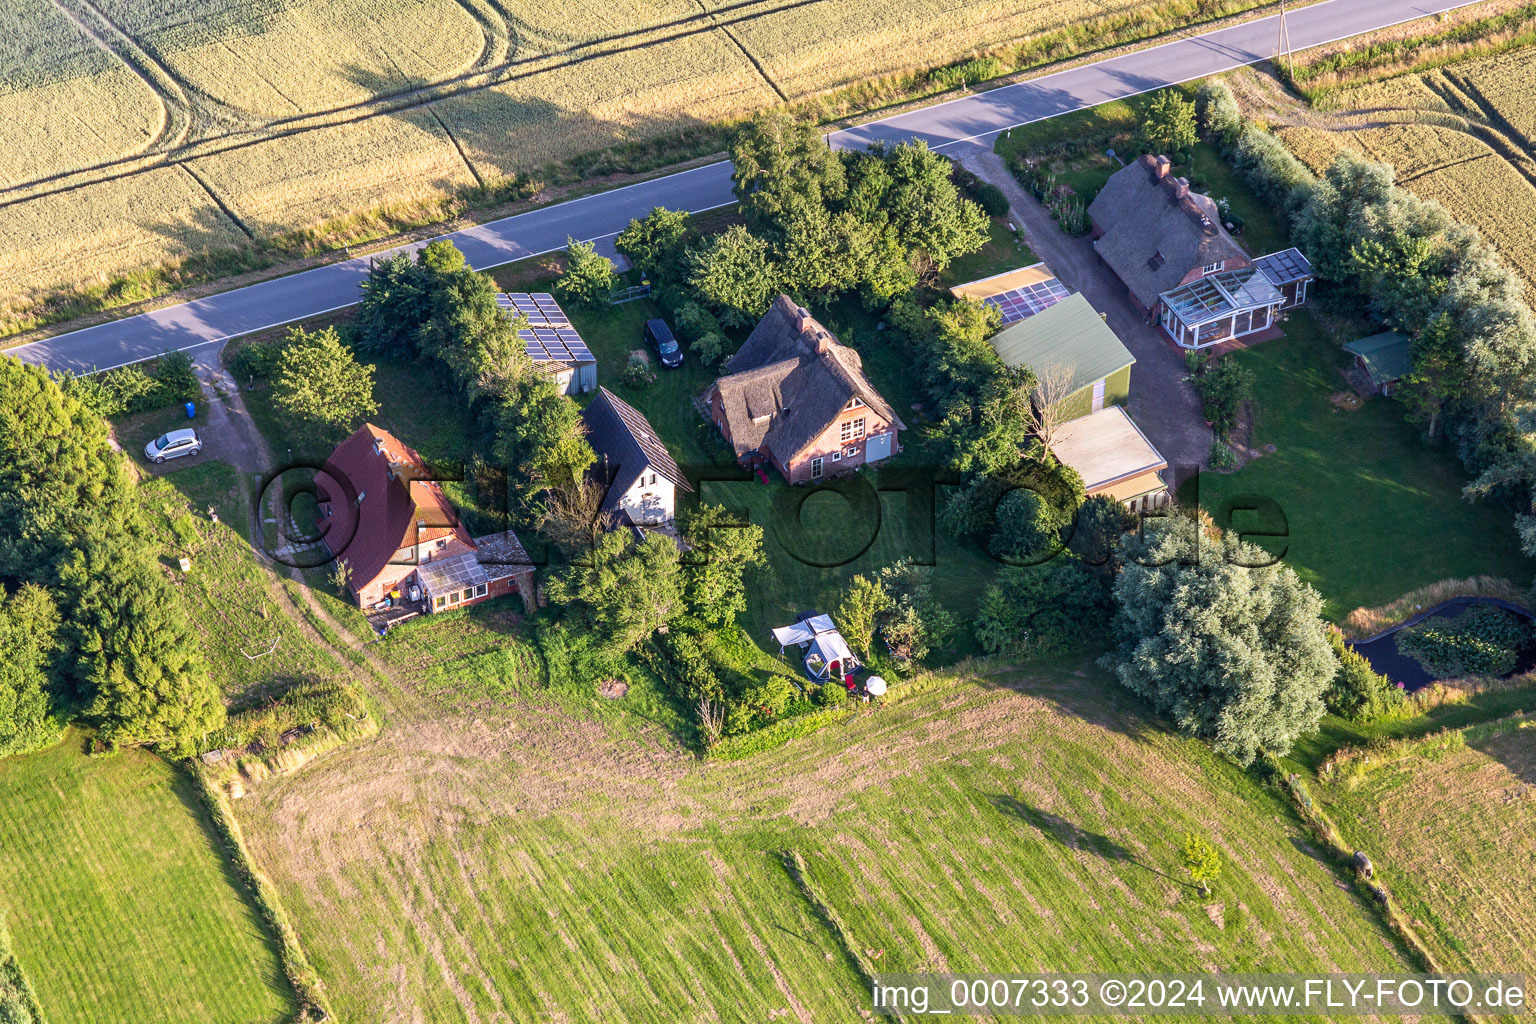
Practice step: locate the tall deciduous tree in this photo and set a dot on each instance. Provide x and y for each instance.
(540, 437)
(627, 589)
(782, 165)
(735, 273)
(588, 277)
(1169, 123)
(319, 381)
(860, 611)
(1236, 656)
(722, 550)
(655, 244)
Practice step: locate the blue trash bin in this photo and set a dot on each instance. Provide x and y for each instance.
(191, 411)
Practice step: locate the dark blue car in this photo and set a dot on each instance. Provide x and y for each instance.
(660, 336)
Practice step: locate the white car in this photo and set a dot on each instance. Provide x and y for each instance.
(173, 445)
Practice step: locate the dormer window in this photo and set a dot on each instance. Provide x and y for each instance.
(1157, 260)
(854, 403)
(360, 496)
(1212, 268)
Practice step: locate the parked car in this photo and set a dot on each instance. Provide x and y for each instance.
(660, 336)
(173, 445)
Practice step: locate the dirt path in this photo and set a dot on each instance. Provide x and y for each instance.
(1162, 403)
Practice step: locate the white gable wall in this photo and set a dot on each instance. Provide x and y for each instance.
(650, 502)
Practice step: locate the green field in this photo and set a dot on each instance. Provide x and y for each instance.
(518, 860)
(119, 902)
(1450, 824)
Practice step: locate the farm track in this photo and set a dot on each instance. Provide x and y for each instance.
(514, 69)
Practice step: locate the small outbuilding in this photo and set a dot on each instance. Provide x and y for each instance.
(1070, 336)
(827, 655)
(1114, 458)
(1017, 294)
(1386, 358)
(551, 341)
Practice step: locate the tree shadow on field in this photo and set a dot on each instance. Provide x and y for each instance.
(1515, 750)
(1072, 836)
(1076, 686)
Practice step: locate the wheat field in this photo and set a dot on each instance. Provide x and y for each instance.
(145, 131)
(1462, 135)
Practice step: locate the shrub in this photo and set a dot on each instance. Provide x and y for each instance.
(257, 359)
(1219, 114)
(1222, 456)
(1482, 641)
(1358, 692)
(694, 322)
(914, 623)
(1271, 170)
(1223, 390)
(977, 69)
(638, 374)
(709, 348)
(1043, 609)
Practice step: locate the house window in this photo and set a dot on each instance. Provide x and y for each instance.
(837, 456)
(853, 403)
(438, 602)
(816, 467)
(853, 429)
(1211, 268)
(479, 590)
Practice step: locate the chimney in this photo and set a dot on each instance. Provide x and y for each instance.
(1181, 188)
(1160, 166)
(803, 318)
(823, 341)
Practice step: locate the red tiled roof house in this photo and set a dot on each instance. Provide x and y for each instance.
(797, 398)
(400, 538)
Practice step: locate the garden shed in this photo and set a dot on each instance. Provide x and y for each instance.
(1386, 358)
(1071, 337)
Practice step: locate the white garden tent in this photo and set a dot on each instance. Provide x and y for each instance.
(824, 646)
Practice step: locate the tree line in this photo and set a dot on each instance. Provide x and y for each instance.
(1417, 270)
(90, 626)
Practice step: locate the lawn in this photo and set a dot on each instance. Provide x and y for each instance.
(119, 900)
(1372, 510)
(1004, 251)
(1450, 825)
(250, 630)
(519, 863)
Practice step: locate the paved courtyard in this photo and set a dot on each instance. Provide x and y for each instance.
(1162, 403)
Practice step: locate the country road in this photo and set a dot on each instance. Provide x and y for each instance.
(205, 323)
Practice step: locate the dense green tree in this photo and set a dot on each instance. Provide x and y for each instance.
(915, 621)
(1029, 528)
(931, 219)
(60, 479)
(859, 613)
(734, 272)
(1168, 125)
(655, 244)
(782, 167)
(394, 305)
(540, 438)
(722, 550)
(628, 589)
(29, 622)
(1439, 373)
(1102, 523)
(1043, 609)
(588, 278)
(320, 382)
(1357, 691)
(136, 651)
(1234, 655)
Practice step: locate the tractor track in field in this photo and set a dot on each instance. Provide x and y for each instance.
(515, 69)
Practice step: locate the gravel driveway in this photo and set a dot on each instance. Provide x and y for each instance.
(1161, 402)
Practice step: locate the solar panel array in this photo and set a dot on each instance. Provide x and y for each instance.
(1284, 267)
(1021, 303)
(549, 336)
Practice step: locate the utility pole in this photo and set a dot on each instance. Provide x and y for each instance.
(1283, 44)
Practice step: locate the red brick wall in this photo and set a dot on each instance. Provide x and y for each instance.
(830, 440)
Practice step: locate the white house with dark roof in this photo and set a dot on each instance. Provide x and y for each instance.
(641, 476)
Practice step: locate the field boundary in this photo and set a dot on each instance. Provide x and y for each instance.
(14, 978)
(308, 988)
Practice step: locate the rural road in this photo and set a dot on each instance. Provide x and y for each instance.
(203, 324)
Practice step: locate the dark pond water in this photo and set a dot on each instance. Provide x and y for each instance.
(1385, 658)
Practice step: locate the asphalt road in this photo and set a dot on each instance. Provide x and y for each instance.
(203, 324)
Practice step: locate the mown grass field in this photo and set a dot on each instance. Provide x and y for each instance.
(1450, 824)
(119, 900)
(1461, 134)
(145, 134)
(518, 860)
